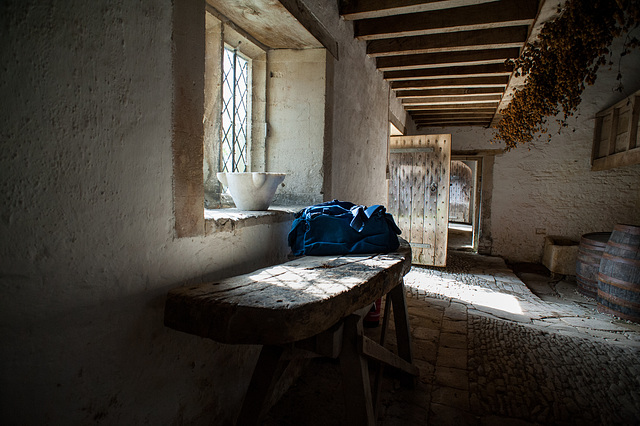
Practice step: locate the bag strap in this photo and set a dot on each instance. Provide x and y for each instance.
(374, 210)
(362, 215)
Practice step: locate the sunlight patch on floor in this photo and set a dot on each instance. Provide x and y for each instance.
(477, 295)
(495, 300)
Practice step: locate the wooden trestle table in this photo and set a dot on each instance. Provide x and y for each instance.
(309, 306)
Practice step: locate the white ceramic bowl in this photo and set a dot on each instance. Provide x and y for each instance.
(252, 190)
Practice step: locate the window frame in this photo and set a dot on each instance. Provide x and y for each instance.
(245, 151)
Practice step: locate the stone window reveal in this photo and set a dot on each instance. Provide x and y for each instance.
(234, 113)
(298, 79)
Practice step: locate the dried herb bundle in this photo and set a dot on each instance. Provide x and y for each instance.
(564, 59)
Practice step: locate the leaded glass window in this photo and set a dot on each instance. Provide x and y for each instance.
(235, 88)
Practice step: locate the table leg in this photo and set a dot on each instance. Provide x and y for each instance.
(377, 381)
(355, 375)
(403, 333)
(268, 370)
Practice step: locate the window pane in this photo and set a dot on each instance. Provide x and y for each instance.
(235, 78)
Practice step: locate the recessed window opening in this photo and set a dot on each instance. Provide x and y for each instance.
(264, 110)
(234, 113)
(235, 107)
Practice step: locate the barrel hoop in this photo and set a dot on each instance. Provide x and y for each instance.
(591, 292)
(618, 259)
(606, 310)
(590, 288)
(592, 245)
(628, 229)
(586, 280)
(624, 246)
(618, 301)
(624, 285)
(589, 258)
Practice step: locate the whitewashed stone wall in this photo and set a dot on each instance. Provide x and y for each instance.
(359, 142)
(296, 82)
(87, 248)
(87, 245)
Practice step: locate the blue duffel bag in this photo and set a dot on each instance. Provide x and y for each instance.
(341, 227)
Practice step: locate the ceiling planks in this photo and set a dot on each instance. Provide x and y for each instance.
(505, 13)
(364, 9)
(443, 83)
(463, 71)
(494, 38)
(459, 92)
(445, 59)
(432, 60)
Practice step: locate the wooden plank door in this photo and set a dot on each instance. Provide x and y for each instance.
(419, 194)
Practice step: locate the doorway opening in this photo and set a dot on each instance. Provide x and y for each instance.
(464, 203)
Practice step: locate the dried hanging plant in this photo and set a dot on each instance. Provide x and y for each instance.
(565, 58)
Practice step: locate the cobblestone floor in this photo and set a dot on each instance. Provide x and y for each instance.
(493, 351)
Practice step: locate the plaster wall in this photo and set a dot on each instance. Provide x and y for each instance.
(547, 188)
(360, 116)
(88, 247)
(360, 129)
(296, 122)
(396, 109)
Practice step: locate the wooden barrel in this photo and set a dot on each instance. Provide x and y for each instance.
(619, 274)
(588, 263)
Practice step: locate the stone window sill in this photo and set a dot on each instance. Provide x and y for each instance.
(229, 220)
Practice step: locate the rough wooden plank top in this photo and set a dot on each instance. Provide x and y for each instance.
(287, 302)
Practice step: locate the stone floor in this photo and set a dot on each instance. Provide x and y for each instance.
(493, 350)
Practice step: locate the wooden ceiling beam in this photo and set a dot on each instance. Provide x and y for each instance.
(452, 124)
(445, 59)
(453, 100)
(303, 15)
(421, 126)
(443, 83)
(440, 59)
(495, 38)
(462, 117)
(483, 123)
(464, 120)
(445, 122)
(475, 17)
(477, 122)
(484, 108)
(434, 93)
(454, 120)
(416, 115)
(433, 126)
(465, 71)
(365, 9)
(448, 108)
